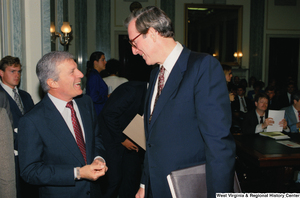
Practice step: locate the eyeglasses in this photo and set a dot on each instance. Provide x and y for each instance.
(131, 41)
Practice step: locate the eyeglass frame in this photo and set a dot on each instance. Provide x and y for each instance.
(131, 41)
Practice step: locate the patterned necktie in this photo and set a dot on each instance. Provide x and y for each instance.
(77, 130)
(18, 101)
(299, 115)
(244, 105)
(160, 86)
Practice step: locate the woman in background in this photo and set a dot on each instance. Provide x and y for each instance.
(96, 88)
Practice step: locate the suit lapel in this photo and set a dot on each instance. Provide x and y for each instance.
(171, 85)
(60, 129)
(13, 105)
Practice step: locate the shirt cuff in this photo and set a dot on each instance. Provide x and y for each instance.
(142, 186)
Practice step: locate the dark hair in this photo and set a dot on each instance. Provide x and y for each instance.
(296, 96)
(260, 95)
(9, 61)
(242, 87)
(151, 16)
(113, 66)
(269, 88)
(226, 67)
(95, 56)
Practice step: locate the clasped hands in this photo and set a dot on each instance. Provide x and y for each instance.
(270, 122)
(94, 170)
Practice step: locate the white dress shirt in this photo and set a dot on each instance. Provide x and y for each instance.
(66, 113)
(168, 65)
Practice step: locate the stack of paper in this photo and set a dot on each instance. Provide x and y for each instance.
(275, 135)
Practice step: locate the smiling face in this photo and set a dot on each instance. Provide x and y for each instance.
(143, 45)
(11, 76)
(68, 85)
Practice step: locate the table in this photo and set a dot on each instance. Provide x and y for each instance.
(261, 160)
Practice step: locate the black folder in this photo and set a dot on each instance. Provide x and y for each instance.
(191, 182)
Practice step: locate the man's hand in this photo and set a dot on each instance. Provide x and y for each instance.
(93, 171)
(283, 123)
(267, 122)
(140, 193)
(130, 145)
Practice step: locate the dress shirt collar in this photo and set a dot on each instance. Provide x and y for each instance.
(173, 57)
(8, 89)
(59, 104)
(258, 116)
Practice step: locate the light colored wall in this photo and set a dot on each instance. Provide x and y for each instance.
(32, 45)
(276, 23)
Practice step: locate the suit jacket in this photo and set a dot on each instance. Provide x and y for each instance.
(97, 89)
(284, 100)
(27, 103)
(121, 107)
(48, 152)
(291, 118)
(235, 105)
(250, 122)
(190, 125)
(7, 163)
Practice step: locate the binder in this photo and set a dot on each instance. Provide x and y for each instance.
(191, 182)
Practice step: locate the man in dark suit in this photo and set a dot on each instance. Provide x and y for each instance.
(241, 103)
(189, 122)
(257, 120)
(273, 98)
(124, 158)
(59, 140)
(285, 98)
(239, 107)
(292, 113)
(20, 102)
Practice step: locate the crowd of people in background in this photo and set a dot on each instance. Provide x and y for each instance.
(278, 96)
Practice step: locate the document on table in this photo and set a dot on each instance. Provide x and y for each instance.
(277, 117)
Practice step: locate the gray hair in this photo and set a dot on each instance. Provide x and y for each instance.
(46, 68)
(151, 16)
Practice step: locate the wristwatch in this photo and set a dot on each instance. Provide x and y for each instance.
(78, 173)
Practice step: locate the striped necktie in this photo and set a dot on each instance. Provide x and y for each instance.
(77, 130)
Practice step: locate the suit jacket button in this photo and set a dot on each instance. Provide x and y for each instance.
(88, 192)
(149, 145)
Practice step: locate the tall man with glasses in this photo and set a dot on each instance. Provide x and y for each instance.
(187, 111)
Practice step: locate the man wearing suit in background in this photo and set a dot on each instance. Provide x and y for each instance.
(59, 140)
(190, 123)
(20, 102)
(257, 120)
(124, 158)
(292, 113)
(285, 98)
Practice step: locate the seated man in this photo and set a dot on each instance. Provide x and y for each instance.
(292, 113)
(257, 120)
(239, 107)
(273, 99)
